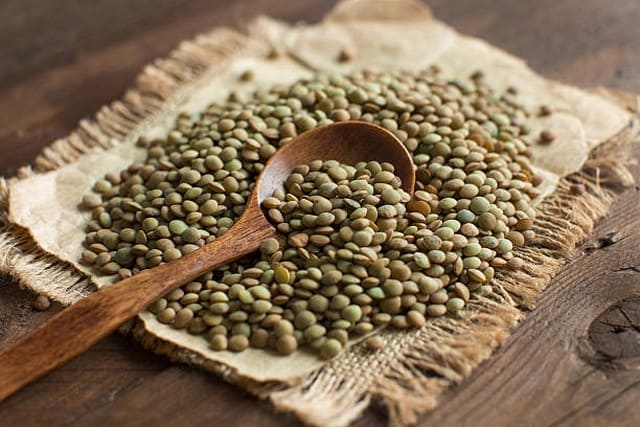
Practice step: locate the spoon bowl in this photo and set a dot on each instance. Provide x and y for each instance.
(77, 328)
(348, 142)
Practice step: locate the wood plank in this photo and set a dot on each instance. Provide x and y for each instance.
(584, 43)
(53, 73)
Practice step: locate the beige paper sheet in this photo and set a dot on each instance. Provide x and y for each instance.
(394, 34)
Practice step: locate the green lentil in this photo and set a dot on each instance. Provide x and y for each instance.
(455, 304)
(330, 348)
(375, 343)
(219, 342)
(269, 246)
(352, 313)
(286, 344)
(238, 343)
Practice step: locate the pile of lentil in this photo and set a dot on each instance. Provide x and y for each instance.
(358, 253)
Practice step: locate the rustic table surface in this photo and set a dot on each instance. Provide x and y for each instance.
(573, 361)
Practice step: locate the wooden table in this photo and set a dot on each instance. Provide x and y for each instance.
(61, 60)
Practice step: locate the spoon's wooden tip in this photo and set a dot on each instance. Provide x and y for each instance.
(348, 142)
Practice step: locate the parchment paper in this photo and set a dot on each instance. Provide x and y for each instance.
(385, 35)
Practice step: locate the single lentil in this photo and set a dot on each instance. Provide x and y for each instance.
(41, 303)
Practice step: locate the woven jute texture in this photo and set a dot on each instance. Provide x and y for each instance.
(409, 374)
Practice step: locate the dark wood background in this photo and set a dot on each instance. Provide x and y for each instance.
(566, 364)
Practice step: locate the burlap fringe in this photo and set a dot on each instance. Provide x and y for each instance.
(4, 202)
(410, 373)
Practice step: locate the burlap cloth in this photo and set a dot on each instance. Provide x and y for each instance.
(41, 229)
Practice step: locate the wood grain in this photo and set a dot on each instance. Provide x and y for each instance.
(53, 73)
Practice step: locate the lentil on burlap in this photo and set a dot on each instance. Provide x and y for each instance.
(359, 254)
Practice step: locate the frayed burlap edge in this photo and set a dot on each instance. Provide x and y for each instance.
(29, 266)
(413, 369)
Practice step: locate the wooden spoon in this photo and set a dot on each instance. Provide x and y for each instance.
(75, 329)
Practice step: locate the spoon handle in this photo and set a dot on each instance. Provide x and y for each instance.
(75, 329)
